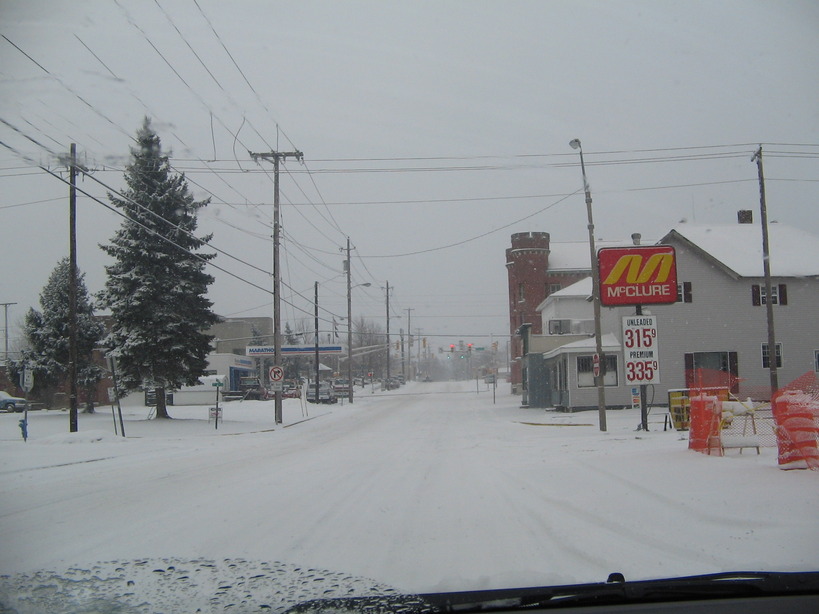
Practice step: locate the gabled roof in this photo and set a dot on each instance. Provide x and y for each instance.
(574, 255)
(738, 247)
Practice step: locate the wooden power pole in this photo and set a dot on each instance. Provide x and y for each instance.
(277, 156)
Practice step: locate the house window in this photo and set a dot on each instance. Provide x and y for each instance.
(766, 356)
(779, 294)
(816, 360)
(712, 369)
(521, 292)
(585, 371)
(684, 294)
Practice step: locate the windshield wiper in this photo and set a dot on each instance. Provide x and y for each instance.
(615, 591)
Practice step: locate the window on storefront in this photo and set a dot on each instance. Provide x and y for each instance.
(585, 371)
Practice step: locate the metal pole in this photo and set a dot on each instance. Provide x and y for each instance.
(116, 393)
(598, 336)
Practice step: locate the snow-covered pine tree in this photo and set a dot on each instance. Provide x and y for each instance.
(156, 288)
(47, 335)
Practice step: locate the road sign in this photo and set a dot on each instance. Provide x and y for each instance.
(27, 380)
(596, 365)
(638, 275)
(641, 349)
(276, 374)
(218, 384)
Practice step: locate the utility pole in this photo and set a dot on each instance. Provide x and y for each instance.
(72, 291)
(277, 156)
(599, 378)
(6, 332)
(403, 358)
(409, 343)
(389, 349)
(418, 352)
(316, 317)
(349, 326)
(766, 268)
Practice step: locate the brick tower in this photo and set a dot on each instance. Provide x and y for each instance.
(527, 265)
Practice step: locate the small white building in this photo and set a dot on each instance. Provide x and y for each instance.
(232, 366)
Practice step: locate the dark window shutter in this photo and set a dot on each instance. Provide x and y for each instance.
(783, 294)
(687, 296)
(755, 298)
(689, 370)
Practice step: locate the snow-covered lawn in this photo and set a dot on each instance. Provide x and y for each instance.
(429, 487)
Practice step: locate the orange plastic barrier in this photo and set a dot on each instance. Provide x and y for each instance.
(703, 434)
(796, 413)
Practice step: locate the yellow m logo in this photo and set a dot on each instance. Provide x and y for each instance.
(630, 265)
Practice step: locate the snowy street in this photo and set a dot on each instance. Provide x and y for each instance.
(429, 487)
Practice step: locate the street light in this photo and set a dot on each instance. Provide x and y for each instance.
(350, 331)
(598, 379)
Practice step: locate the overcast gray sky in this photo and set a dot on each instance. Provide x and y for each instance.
(431, 132)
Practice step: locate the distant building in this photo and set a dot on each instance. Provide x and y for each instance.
(233, 335)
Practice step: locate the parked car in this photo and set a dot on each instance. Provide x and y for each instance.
(341, 386)
(326, 394)
(291, 390)
(390, 384)
(10, 403)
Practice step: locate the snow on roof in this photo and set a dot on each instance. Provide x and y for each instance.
(793, 252)
(579, 288)
(574, 256)
(609, 342)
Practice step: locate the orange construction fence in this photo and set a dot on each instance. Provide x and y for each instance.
(795, 412)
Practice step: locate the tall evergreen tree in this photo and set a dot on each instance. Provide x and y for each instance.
(156, 288)
(47, 334)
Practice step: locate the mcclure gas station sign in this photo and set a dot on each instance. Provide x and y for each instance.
(639, 275)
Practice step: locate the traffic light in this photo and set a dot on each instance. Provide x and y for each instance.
(451, 347)
(468, 347)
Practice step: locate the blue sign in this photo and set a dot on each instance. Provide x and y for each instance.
(292, 350)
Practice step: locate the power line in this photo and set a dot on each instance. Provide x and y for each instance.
(476, 237)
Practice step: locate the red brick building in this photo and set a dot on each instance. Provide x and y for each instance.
(534, 273)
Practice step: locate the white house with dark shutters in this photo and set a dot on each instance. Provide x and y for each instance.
(718, 322)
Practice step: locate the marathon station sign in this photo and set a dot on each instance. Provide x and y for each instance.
(292, 350)
(637, 275)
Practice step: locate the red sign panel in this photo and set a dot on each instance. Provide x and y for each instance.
(639, 275)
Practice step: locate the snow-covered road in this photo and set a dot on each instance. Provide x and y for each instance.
(430, 487)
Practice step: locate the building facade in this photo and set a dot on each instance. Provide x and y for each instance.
(719, 321)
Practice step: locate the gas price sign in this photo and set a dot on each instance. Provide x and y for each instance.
(641, 349)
